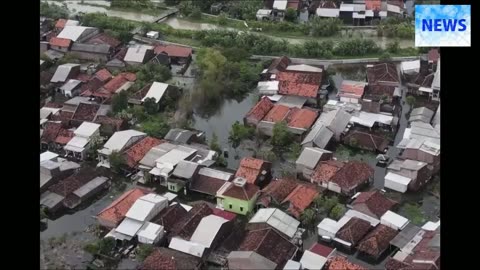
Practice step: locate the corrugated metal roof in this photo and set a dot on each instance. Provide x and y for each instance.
(174, 156)
(277, 219)
(187, 247)
(70, 85)
(303, 67)
(119, 139)
(328, 12)
(215, 174)
(155, 153)
(129, 227)
(47, 155)
(62, 72)
(156, 91)
(185, 169)
(311, 260)
(86, 129)
(392, 218)
(292, 101)
(405, 236)
(72, 32)
(310, 156)
(207, 230)
(50, 199)
(137, 53)
(88, 187)
(91, 48)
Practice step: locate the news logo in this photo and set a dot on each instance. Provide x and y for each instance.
(442, 26)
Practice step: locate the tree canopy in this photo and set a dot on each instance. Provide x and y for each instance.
(238, 133)
(281, 138)
(120, 102)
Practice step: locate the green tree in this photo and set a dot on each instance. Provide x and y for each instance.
(393, 47)
(196, 13)
(290, 14)
(106, 245)
(43, 215)
(238, 133)
(171, 2)
(151, 72)
(329, 203)
(385, 57)
(337, 212)
(155, 126)
(236, 54)
(117, 161)
(215, 145)
(266, 154)
(53, 10)
(143, 251)
(281, 136)
(308, 217)
(295, 150)
(318, 201)
(120, 102)
(222, 19)
(411, 100)
(150, 105)
(321, 27)
(414, 213)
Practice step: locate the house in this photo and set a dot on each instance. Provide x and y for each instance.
(169, 216)
(60, 44)
(276, 219)
(119, 141)
(258, 112)
(77, 33)
(422, 114)
(384, 74)
(136, 152)
(148, 162)
(121, 82)
(150, 233)
(113, 214)
(65, 72)
(276, 192)
(407, 174)
(308, 160)
(255, 171)
(71, 88)
(115, 64)
(186, 226)
(341, 263)
(165, 258)
(156, 91)
(166, 164)
(267, 87)
(316, 257)
(139, 54)
(238, 196)
(351, 91)
(105, 39)
(353, 13)
(279, 8)
(264, 15)
(109, 125)
(85, 112)
(410, 67)
(78, 186)
(373, 203)
(407, 238)
(377, 241)
(278, 64)
(328, 9)
(239, 260)
(182, 175)
(61, 23)
(367, 140)
(303, 83)
(183, 136)
(51, 202)
(299, 199)
(422, 142)
(211, 231)
(178, 54)
(86, 135)
(350, 234)
(330, 125)
(269, 244)
(394, 220)
(53, 170)
(92, 52)
(188, 247)
(162, 59)
(344, 178)
(208, 181)
(50, 133)
(298, 120)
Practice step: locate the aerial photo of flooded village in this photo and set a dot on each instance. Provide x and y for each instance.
(221, 134)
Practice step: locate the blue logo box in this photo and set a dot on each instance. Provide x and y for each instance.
(442, 26)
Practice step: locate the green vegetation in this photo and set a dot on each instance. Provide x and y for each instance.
(215, 146)
(150, 105)
(155, 126)
(414, 213)
(238, 133)
(290, 14)
(143, 251)
(267, 155)
(54, 11)
(245, 10)
(151, 72)
(396, 28)
(308, 217)
(102, 246)
(321, 27)
(337, 212)
(281, 137)
(393, 47)
(411, 100)
(385, 57)
(43, 215)
(120, 102)
(295, 150)
(117, 161)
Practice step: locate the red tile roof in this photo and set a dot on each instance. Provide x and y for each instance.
(103, 38)
(169, 216)
(86, 112)
(60, 23)
(270, 244)
(302, 118)
(63, 116)
(60, 42)
(378, 91)
(304, 84)
(119, 80)
(382, 73)
(206, 184)
(377, 241)
(53, 105)
(187, 225)
(68, 185)
(244, 193)
(260, 109)
(50, 132)
(299, 199)
(373, 5)
(158, 261)
(352, 89)
(325, 170)
(83, 77)
(135, 153)
(174, 50)
(279, 64)
(104, 120)
(103, 75)
(293, 4)
(341, 263)
(366, 140)
(321, 250)
(373, 203)
(64, 136)
(433, 55)
(224, 214)
(250, 169)
(278, 190)
(327, 4)
(277, 113)
(354, 230)
(117, 210)
(353, 173)
(393, 264)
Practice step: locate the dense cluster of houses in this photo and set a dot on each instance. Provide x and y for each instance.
(245, 218)
(358, 12)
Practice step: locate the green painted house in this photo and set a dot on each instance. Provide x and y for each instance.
(238, 196)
